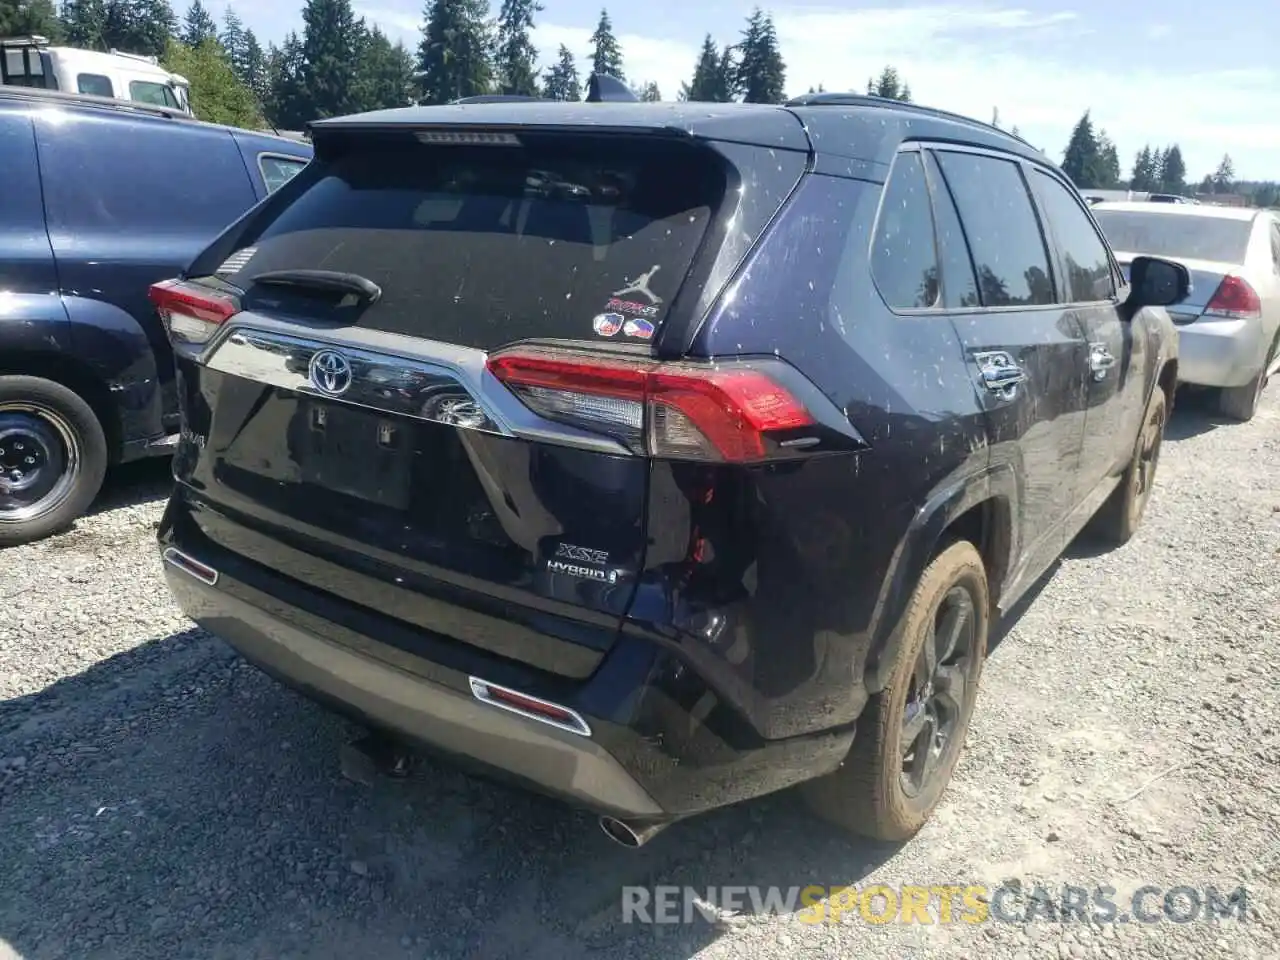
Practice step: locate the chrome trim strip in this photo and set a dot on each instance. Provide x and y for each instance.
(190, 566)
(389, 373)
(480, 690)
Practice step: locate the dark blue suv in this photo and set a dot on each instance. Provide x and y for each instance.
(98, 200)
(659, 456)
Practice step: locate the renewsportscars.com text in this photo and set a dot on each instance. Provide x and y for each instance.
(939, 904)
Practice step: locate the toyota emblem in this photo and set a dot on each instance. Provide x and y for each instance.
(330, 373)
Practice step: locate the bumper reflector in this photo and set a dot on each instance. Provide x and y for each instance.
(190, 566)
(534, 708)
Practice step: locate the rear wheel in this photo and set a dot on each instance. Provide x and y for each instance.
(1241, 403)
(53, 456)
(911, 734)
(1122, 514)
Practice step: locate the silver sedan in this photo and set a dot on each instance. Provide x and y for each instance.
(1229, 327)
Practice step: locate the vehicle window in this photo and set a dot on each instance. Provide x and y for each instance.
(277, 171)
(1003, 232)
(1169, 233)
(959, 288)
(1275, 245)
(117, 176)
(1088, 276)
(562, 236)
(95, 84)
(904, 259)
(159, 94)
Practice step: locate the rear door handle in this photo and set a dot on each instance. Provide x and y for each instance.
(1001, 375)
(1100, 360)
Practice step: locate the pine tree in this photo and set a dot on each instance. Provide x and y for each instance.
(256, 74)
(287, 104)
(84, 23)
(1106, 172)
(561, 82)
(1144, 170)
(761, 73)
(889, 85)
(1225, 176)
(384, 74)
(606, 54)
(709, 79)
(235, 41)
(648, 92)
(1080, 161)
(454, 56)
(25, 17)
(1173, 172)
(516, 58)
(198, 25)
(330, 38)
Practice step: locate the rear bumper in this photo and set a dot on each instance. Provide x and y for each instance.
(1220, 353)
(652, 754)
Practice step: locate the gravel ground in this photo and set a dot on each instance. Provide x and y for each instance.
(158, 798)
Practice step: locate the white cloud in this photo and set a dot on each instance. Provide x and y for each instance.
(972, 58)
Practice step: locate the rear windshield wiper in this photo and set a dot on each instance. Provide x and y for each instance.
(327, 281)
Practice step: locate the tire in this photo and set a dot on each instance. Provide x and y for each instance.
(1120, 517)
(1241, 403)
(53, 456)
(874, 792)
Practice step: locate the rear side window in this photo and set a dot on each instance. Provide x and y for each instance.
(583, 238)
(95, 84)
(277, 171)
(1088, 275)
(1175, 234)
(1275, 245)
(1003, 232)
(904, 259)
(157, 93)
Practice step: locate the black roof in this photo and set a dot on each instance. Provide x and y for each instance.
(847, 125)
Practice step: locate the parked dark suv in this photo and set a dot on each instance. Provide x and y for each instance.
(659, 455)
(98, 200)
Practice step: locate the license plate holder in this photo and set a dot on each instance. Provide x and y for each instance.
(357, 453)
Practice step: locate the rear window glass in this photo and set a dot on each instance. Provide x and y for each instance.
(1175, 235)
(570, 238)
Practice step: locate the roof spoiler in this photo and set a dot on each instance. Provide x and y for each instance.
(601, 88)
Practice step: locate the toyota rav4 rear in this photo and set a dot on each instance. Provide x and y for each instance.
(576, 440)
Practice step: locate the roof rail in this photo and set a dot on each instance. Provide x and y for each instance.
(495, 98)
(87, 99)
(30, 40)
(871, 100)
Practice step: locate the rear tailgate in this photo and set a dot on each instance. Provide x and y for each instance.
(346, 434)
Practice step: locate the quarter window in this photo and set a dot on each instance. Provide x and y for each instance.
(904, 258)
(277, 171)
(1004, 236)
(94, 84)
(1088, 267)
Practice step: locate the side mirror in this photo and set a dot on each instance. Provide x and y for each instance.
(1157, 283)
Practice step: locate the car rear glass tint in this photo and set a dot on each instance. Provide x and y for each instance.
(1183, 236)
(570, 238)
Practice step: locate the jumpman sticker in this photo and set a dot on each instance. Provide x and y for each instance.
(641, 285)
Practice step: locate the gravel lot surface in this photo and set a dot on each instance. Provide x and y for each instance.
(160, 799)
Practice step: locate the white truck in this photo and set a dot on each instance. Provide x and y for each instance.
(30, 62)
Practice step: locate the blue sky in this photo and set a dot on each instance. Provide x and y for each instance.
(1148, 72)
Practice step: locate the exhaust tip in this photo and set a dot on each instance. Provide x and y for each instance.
(619, 832)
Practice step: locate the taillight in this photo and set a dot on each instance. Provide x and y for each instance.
(688, 411)
(191, 313)
(1235, 298)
